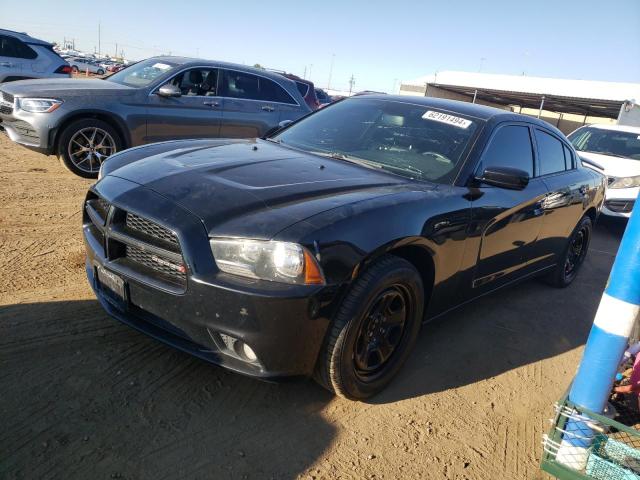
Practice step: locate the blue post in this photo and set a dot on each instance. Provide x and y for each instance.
(608, 339)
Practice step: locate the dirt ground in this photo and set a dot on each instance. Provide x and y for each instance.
(85, 397)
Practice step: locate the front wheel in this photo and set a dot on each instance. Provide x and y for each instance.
(85, 144)
(100, 72)
(574, 255)
(374, 330)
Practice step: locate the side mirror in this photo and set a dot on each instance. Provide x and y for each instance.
(504, 177)
(284, 123)
(169, 90)
(280, 126)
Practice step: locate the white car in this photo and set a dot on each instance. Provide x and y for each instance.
(617, 149)
(79, 64)
(23, 57)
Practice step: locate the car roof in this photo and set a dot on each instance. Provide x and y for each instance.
(187, 61)
(481, 112)
(616, 128)
(25, 37)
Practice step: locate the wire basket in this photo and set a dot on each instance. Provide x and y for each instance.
(612, 443)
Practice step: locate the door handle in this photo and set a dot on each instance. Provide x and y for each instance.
(212, 104)
(6, 64)
(268, 108)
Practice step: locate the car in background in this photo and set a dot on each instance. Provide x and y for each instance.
(306, 89)
(23, 57)
(322, 249)
(616, 148)
(81, 65)
(84, 121)
(323, 97)
(115, 67)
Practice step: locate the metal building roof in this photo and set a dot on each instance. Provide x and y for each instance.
(587, 97)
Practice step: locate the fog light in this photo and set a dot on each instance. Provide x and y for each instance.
(248, 353)
(229, 341)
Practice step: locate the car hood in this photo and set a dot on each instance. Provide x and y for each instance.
(64, 87)
(614, 166)
(255, 188)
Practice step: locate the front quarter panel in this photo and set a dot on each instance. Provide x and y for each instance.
(347, 238)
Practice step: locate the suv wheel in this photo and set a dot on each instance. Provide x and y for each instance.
(574, 255)
(75, 69)
(374, 330)
(100, 72)
(85, 144)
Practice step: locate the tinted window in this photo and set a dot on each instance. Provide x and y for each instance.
(253, 87)
(201, 82)
(568, 158)
(510, 147)
(551, 153)
(411, 140)
(303, 88)
(14, 48)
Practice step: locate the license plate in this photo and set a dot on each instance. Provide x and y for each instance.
(112, 283)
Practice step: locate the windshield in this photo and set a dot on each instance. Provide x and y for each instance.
(142, 73)
(607, 142)
(415, 141)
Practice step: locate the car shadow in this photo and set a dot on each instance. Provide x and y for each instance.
(516, 326)
(86, 397)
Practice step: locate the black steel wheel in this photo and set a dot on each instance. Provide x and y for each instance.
(374, 330)
(576, 251)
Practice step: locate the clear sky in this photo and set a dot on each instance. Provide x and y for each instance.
(378, 42)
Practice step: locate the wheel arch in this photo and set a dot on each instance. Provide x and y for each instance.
(107, 117)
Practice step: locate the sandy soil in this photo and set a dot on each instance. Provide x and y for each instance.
(86, 397)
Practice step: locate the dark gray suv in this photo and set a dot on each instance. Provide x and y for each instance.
(84, 121)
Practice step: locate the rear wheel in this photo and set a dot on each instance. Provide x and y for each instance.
(75, 69)
(100, 72)
(574, 255)
(374, 331)
(85, 144)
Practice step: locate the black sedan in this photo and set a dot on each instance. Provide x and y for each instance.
(321, 249)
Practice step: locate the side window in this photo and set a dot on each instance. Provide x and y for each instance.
(241, 85)
(568, 158)
(551, 153)
(202, 82)
(272, 92)
(12, 47)
(252, 87)
(510, 147)
(303, 88)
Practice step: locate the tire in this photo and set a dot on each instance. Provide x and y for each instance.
(75, 69)
(344, 366)
(570, 262)
(78, 154)
(100, 72)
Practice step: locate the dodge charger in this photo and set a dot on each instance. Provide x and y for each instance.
(320, 249)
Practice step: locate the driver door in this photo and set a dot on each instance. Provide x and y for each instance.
(197, 113)
(507, 222)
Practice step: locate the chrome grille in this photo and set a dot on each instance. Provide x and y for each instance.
(6, 103)
(7, 97)
(150, 228)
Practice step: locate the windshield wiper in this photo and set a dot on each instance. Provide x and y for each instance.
(348, 158)
(405, 168)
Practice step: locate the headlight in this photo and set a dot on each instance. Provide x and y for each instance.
(626, 182)
(38, 105)
(267, 260)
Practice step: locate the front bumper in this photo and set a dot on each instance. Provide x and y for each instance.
(619, 202)
(284, 325)
(30, 130)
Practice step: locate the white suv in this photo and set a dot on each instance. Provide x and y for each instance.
(617, 149)
(23, 57)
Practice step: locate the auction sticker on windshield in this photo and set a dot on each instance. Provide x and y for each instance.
(161, 66)
(448, 119)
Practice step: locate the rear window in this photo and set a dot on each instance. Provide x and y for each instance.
(14, 48)
(303, 88)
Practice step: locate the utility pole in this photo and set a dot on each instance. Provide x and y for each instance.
(99, 39)
(333, 56)
(304, 75)
(116, 49)
(352, 82)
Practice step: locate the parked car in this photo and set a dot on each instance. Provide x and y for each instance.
(80, 64)
(84, 121)
(323, 97)
(616, 149)
(115, 67)
(321, 249)
(23, 57)
(306, 89)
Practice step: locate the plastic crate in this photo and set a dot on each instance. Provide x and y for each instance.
(614, 451)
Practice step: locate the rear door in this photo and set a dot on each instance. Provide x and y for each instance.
(567, 197)
(195, 114)
(252, 104)
(507, 221)
(12, 57)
